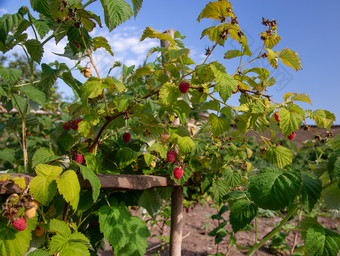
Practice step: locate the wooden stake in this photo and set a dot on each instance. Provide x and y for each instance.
(176, 221)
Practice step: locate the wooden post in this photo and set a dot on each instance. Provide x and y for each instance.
(177, 194)
(176, 221)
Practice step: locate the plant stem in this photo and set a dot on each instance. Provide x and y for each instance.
(256, 230)
(274, 231)
(95, 68)
(296, 233)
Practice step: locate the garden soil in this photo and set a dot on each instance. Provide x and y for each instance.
(197, 242)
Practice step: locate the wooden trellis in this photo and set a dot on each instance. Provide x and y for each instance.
(127, 182)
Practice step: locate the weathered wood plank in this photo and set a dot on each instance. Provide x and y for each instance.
(107, 181)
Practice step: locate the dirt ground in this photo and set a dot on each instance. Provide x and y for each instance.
(197, 242)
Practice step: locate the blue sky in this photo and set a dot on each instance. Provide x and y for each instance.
(307, 27)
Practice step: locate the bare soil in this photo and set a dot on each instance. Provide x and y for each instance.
(197, 242)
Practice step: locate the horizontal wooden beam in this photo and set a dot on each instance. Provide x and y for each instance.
(107, 181)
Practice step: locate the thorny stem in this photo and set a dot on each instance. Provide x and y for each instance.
(88, 3)
(95, 68)
(296, 233)
(274, 231)
(257, 57)
(209, 53)
(264, 139)
(51, 36)
(256, 230)
(23, 113)
(67, 206)
(111, 118)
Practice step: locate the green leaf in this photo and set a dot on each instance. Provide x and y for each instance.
(34, 94)
(89, 120)
(48, 77)
(43, 26)
(289, 121)
(225, 84)
(279, 156)
(69, 188)
(322, 241)
(219, 189)
(114, 225)
(10, 74)
(43, 156)
(148, 158)
(35, 49)
(241, 214)
(43, 187)
(8, 23)
(151, 33)
(219, 125)
(151, 201)
(137, 240)
(38, 252)
(160, 148)
(232, 178)
(212, 105)
(122, 102)
(215, 10)
(168, 94)
(185, 145)
(137, 5)
(89, 175)
(274, 189)
(60, 227)
(92, 88)
(13, 242)
(73, 244)
(331, 197)
(322, 118)
(310, 190)
(126, 156)
(232, 54)
(115, 12)
(40, 6)
(99, 42)
(8, 154)
(290, 58)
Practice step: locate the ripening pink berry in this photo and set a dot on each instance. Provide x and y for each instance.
(184, 87)
(178, 173)
(171, 156)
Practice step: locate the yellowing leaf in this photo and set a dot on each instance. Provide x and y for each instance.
(69, 188)
(290, 58)
(43, 186)
(279, 156)
(272, 57)
(215, 10)
(151, 33)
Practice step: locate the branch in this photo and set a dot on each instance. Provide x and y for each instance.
(111, 118)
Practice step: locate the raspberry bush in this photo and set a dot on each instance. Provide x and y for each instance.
(155, 103)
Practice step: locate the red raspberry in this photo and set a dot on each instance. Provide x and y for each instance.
(20, 224)
(187, 209)
(178, 173)
(126, 137)
(79, 158)
(292, 135)
(79, 120)
(66, 126)
(74, 125)
(171, 156)
(184, 87)
(276, 115)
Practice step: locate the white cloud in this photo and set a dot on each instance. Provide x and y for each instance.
(3, 11)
